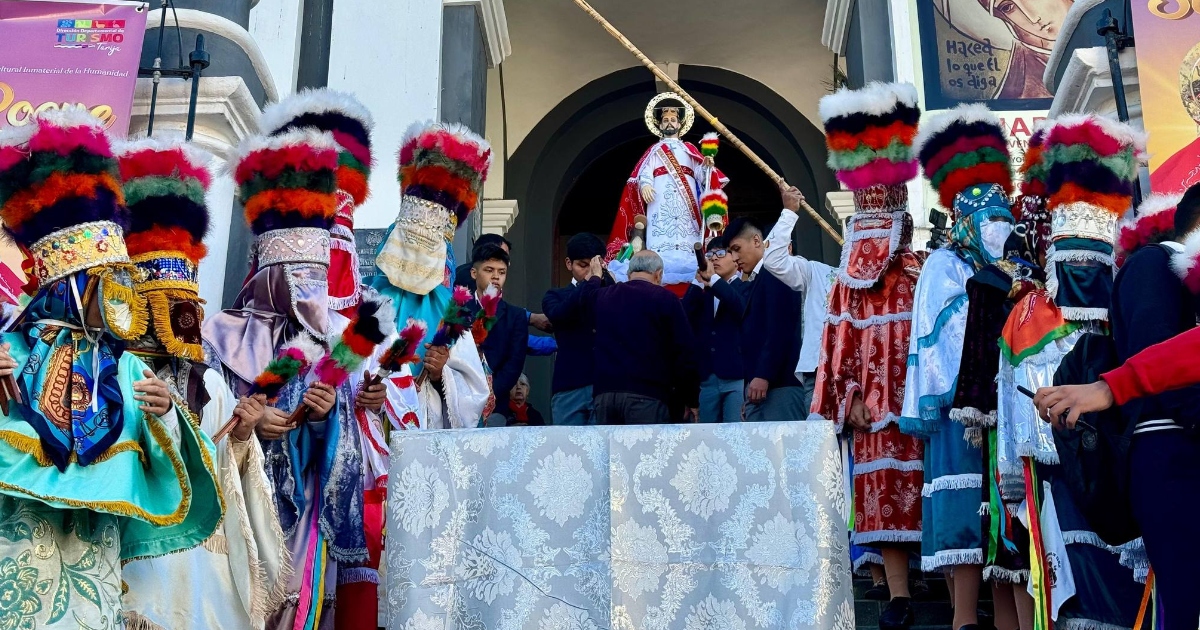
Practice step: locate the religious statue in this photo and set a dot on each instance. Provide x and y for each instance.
(673, 199)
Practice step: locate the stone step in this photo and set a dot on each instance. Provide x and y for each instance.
(931, 612)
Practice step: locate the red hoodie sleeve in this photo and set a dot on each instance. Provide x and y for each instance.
(1164, 366)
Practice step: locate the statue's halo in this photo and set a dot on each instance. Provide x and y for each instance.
(689, 114)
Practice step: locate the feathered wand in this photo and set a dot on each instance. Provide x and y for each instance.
(374, 321)
(293, 359)
(456, 320)
(402, 352)
(489, 303)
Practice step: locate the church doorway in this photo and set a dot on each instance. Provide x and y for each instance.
(568, 172)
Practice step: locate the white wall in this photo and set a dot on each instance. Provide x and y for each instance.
(389, 55)
(275, 26)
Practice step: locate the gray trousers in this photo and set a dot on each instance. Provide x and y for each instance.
(721, 399)
(782, 404)
(572, 407)
(625, 408)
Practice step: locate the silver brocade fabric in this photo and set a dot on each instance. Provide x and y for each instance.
(648, 527)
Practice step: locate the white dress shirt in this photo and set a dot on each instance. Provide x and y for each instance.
(801, 274)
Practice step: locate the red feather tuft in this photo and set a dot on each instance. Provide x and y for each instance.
(438, 178)
(166, 239)
(461, 296)
(1086, 132)
(959, 180)
(171, 163)
(271, 162)
(63, 140)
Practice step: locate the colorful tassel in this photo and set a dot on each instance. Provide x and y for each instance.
(293, 359)
(404, 350)
(456, 320)
(485, 319)
(374, 321)
(709, 143)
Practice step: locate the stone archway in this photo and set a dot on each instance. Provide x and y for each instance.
(595, 127)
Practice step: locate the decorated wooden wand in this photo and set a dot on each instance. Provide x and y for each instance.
(402, 352)
(293, 359)
(374, 321)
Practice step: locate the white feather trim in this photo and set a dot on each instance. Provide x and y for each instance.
(386, 313)
(1124, 133)
(68, 118)
(1183, 262)
(1157, 203)
(953, 482)
(875, 98)
(967, 113)
(310, 137)
(168, 141)
(308, 346)
(314, 101)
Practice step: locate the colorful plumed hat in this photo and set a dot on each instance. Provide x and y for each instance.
(350, 123)
(964, 155)
(339, 114)
(1154, 223)
(869, 134)
(443, 167)
(445, 164)
(1033, 220)
(165, 182)
(287, 185)
(1092, 171)
(60, 194)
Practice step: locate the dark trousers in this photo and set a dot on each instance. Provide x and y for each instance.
(625, 408)
(1166, 482)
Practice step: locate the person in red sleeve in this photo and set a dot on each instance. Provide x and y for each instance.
(1171, 364)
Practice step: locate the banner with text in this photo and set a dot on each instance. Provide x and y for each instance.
(1168, 63)
(70, 53)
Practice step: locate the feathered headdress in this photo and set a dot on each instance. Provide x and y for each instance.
(964, 154)
(60, 194)
(442, 170)
(1154, 223)
(869, 133)
(339, 114)
(165, 181)
(1092, 165)
(445, 164)
(350, 123)
(1033, 220)
(286, 184)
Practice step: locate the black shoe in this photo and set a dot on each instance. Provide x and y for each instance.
(970, 626)
(919, 589)
(897, 615)
(878, 592)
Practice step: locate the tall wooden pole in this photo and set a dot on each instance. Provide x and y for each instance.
(721, 128)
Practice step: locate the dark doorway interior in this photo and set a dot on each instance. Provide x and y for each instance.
(591, 202)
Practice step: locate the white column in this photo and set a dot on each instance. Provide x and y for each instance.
(388, 54)
(276, 27)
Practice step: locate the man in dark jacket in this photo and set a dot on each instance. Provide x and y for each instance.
(571, 403)
(463, 278)
(770, 347)
(644, 353)
(504, 347)
(1150, 304)
(717, 327)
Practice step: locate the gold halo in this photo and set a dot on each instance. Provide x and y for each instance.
(689, 114)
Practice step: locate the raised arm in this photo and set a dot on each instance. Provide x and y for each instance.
(792, 270)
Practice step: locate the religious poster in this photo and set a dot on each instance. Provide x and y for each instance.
(1019, 126)
(75, 54)
(990, 51)
(1168, 63)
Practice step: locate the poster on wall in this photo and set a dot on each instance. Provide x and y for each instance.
(75, 54)
(988, 51)
(1168, 63)
(65, 54)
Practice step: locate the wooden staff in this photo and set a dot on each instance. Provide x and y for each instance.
(722, 129)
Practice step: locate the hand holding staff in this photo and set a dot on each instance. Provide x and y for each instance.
(8, 383)
(402, 352)
(294, 358)
(456, 320)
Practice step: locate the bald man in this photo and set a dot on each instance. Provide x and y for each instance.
(644, 352)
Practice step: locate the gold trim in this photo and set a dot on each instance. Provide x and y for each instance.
(79, 247)
(689, 114)
(111, 291)
(160, 307)
(125, 508)
(32, 446)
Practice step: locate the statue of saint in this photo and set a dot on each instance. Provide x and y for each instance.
(661, 205)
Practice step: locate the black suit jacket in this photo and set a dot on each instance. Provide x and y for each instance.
(770, 347)
(719, 334)
(505, 350)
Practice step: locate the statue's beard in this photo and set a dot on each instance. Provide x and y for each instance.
(670, 131)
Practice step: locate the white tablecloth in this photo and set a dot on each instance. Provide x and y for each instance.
(690, 527)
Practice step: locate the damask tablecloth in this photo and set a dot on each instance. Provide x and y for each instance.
(689, 527)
